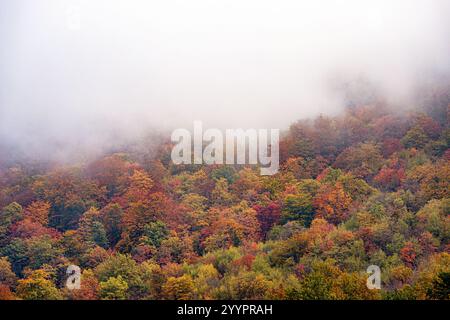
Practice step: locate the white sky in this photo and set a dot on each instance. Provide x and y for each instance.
(74, 72)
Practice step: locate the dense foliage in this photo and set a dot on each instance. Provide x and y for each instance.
(367, 187)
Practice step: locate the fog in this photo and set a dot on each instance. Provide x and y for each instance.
(80, 76)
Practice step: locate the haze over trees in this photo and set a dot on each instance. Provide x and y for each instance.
(369, 186)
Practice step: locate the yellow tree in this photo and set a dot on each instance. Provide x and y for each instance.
(178, 288)
(37, 286)
(333, 203)
(38, 212)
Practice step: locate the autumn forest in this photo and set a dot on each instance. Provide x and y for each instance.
(370, 186)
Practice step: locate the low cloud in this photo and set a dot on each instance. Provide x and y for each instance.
(81, 76)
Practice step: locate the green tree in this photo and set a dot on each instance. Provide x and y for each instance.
(415, 138)
(111, 217)
(245, 285)
(16, 252)
(320, 283)
(115, 288)
(298, 207)
(440, 287)
(9, 215)
(155, 233)
(124, 266)
(42, 250)
(92, 229)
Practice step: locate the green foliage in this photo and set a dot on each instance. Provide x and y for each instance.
(298, 207)
(111, 216)
(319, 283)
(16, 252)
(415, 138)
(245, 285)
(226, 172)
(9, 215)
(125, 267)
(433, 217)
(440, 288)
(113, 289)
(40, 251)
(155, 233)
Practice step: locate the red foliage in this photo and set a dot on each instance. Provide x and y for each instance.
(27, 228)
(332, 203)
(426, 243)
(389, 178)
(430, 126)
(268, 216)
(246, 261)
(390, 146)
(408, 254)
(366, 234)
(5, 293)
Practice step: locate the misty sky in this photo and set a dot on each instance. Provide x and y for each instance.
(73, 73)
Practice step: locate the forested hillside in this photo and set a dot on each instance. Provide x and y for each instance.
(368, 187)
